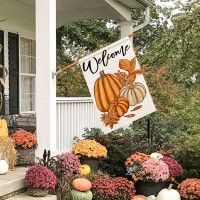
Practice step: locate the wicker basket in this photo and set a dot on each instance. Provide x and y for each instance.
(37, 192)
(25, 156)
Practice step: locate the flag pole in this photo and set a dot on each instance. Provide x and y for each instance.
(76, 63)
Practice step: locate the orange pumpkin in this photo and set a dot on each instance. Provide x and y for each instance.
(106, 89)
(120, 106)
(135, 94)
(81, 184)
(138, 197)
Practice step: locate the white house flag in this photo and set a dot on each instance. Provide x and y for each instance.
(117, 85)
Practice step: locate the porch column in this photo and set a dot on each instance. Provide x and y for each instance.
(45, 84)
(126, 28)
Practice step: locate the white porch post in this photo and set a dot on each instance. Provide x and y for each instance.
(126, 28)
(45, 84)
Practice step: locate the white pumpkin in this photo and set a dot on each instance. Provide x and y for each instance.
(168, 194)
(152, 197)
(156, 155)
(3, 167)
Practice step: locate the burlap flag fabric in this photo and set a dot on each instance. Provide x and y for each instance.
(117, 85)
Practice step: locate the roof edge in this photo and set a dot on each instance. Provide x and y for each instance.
(146, 3)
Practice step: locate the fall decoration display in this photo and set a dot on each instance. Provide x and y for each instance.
(115, 188)
(139, 197)
(84, 169)
(3, 129)
(38, 177)
(168, 193)
(106, 89)
(8, 152)
(190, 188)
(81, 184)
(175, 168)
(89, 148)
(134, 93)
(24, 139)
(120, 106)
(68, 163)
(78, 195)
(3, 167)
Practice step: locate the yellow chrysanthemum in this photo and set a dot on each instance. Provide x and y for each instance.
(89, 148)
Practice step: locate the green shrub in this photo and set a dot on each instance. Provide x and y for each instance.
(188, 153)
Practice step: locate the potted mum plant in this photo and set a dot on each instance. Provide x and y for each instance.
(25, 144)
(190, 189)
(39, 179)
(154, 177)
(148, 171)
(89, 152)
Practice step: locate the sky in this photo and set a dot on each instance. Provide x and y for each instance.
(164, 3)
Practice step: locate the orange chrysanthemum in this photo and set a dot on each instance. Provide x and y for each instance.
(24, 139)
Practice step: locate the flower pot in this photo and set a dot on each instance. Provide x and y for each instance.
(149, 187)
(92, 162)
(25, 156)
(37, 192)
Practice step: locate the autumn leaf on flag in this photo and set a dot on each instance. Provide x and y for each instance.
(127, 65)
(137, 108)
(110, 119)
(130, 115)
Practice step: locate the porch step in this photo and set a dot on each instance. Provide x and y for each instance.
(25, 196)
(12, 182)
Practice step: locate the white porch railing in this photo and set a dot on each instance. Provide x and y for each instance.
(73, 115)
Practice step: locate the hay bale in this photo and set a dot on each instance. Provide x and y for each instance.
(8, 152)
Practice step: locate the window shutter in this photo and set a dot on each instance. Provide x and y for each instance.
(13, 52)
(2, 112)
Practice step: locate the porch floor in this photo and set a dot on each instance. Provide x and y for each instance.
(12, 181)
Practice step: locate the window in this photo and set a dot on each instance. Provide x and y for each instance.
(27, 75)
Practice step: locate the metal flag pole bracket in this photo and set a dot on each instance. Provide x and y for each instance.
(63, 69)
(54, 74)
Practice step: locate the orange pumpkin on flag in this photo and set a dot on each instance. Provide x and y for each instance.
(106, 89)
(120, 106)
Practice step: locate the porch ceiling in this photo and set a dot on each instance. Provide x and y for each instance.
(74, 10)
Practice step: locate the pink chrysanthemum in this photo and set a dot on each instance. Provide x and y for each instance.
(155, 169)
